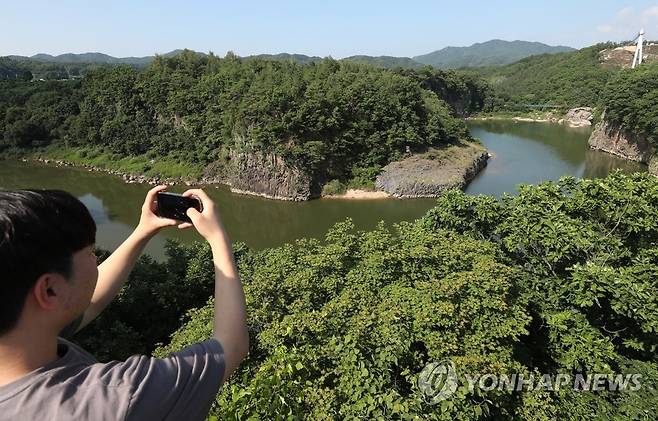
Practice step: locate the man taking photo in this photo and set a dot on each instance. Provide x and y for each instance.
(51, 286)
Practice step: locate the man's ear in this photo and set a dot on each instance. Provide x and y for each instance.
(50, 291)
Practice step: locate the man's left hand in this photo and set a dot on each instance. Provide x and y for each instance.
(149, 222)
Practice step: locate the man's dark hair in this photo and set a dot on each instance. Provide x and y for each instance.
(39, 232)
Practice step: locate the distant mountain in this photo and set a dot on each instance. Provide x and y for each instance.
(385, 61)
(297, 58)
(93, 58)
(380, 61)
(491, 53)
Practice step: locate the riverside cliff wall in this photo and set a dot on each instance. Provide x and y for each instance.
(268, 175)
(612, 138)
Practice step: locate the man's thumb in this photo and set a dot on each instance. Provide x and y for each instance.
(193, 214)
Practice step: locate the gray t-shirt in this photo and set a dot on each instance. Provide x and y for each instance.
(181, 386)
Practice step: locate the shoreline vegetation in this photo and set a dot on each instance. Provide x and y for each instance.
(455, 168)
(277, 129)
(136, 169)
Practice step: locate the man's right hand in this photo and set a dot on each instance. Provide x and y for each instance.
(207, 222)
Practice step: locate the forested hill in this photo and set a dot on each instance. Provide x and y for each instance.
(13, 70)
(296, 58)
(330, 120)
(631, 100)
(566, 80)
(386, 61)
(491, 53)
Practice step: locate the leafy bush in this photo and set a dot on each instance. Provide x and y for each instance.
(334, 187)
(363, 178)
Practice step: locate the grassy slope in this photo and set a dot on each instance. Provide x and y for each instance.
(167, 167)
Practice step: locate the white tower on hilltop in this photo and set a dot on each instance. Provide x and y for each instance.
(637, 58)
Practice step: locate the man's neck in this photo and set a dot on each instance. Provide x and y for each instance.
(23, 351)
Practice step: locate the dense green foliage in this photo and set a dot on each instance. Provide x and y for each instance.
(491, 53)
(333, 120)
(34, 114)
(631, 100)
(562, 278)
(564, 80)
(466, 93)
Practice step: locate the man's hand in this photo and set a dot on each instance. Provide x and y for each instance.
(207, 222)
(149, 222)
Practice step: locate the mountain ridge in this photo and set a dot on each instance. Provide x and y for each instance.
(493, 52)
(93, 57)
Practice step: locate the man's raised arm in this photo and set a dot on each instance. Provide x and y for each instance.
(114, 271)
(230, 320)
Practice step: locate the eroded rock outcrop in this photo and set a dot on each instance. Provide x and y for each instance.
(431, 173)
(578, 117)
(614, 139)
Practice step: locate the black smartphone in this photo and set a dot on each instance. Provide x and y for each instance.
(174, 206)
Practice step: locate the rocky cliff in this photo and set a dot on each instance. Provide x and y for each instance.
(431, 173)
(614, 139)
(268, 175)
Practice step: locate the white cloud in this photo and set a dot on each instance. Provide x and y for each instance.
(628, 21)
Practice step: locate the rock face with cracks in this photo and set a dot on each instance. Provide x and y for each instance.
(268, 175)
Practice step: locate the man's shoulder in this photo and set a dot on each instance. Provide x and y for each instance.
(76, 386)
(136, 368)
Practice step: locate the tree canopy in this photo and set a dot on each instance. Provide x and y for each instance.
(562, 278)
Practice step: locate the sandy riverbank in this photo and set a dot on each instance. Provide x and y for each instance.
(356, 194)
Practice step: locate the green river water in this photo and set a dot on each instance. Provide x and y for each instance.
(523, 153)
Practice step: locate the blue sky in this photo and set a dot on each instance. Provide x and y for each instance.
(338, 28)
